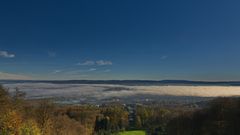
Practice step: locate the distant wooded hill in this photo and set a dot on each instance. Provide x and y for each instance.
(129, 82)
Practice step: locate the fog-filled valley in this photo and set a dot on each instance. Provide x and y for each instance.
(100, 93)
(113, 109)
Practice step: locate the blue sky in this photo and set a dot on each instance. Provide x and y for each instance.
(120, 39)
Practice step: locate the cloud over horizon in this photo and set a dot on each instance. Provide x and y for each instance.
(86, 63)
(98, 62)
(103, 63)
(56, 71)
(10, 76)
(164, 57)
(6, 54)
(52, 54)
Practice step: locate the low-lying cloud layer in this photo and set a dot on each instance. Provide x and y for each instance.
(97, 92)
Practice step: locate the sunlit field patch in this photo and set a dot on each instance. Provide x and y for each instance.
(133, 133)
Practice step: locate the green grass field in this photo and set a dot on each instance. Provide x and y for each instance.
(133, 133)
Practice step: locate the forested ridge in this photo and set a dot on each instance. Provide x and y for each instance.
(27, 117)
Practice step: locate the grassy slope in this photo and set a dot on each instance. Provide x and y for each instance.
(133, 133)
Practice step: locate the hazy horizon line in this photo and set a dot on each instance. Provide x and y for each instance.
(151, 80)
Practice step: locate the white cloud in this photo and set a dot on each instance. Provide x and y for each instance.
(91, 63)
(72, 72)
(56, 71)
(75, 72)
(9, 76)
(164, 57)
(52, 54)
(86, 63)
(103, 63)
(6, 54)
(91, 69)
(107, 70)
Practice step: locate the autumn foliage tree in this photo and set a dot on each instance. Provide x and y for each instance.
(11, 116)
(222, 117)
(112, 119)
